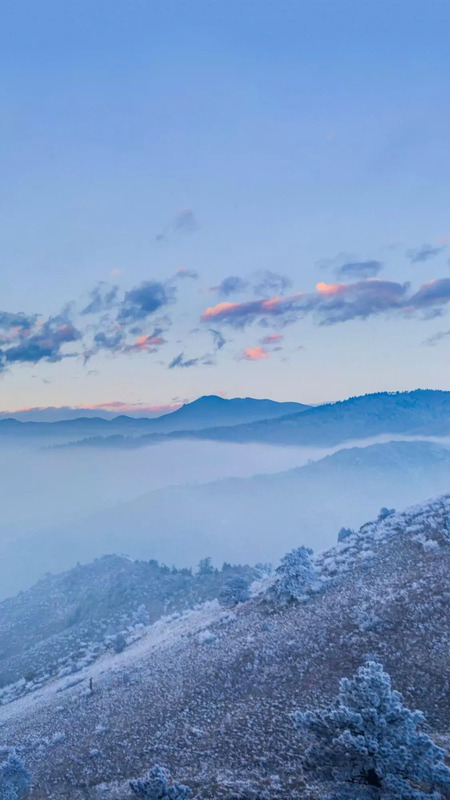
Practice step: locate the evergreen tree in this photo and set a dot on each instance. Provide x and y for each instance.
(368, 746)
(205, 567)
(296, 575)
(14, 778)
(155, 786)
(235, 590)
(344, 533)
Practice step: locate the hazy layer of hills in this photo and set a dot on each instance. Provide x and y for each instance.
(242, 520)
(418, 413)
(206, 412)
(209, 693)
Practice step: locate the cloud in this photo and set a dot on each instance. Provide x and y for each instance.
(183, 273)
(180, 361)
(271, 339)
(148, 343)
(340, 302)
(424, 253)
(432, 293)
(231, 285)
(331, 303)
(144, 300)
(43, 342)
(218, 338)
(271, 283)
(184, 221)
(102, 298)
(359, 269)
(437, 337)
(255, 354)
(18, 321)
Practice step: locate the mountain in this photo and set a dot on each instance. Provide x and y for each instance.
(205, 412)
(424, 412)
(212, 411)
(209, 694)
(240, 519)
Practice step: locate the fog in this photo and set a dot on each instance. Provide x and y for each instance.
(60, 506)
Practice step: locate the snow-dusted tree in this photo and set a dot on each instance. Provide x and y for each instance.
(295, 576)
(155, 786)
(385, 512)
(344, 533)
(205, 567)
(235, 590)
(368, 746)
(14, 778)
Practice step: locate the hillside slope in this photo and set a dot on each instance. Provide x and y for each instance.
(209, 694)
(66, 620)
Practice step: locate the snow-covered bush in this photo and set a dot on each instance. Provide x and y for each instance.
(368, 746)
(119, 643)
(295, 575)
(155, 786)
(235, 590)
(14, 778)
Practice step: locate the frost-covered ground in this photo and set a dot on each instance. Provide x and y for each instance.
(208, 693)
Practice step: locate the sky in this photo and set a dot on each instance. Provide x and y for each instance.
(247, 197)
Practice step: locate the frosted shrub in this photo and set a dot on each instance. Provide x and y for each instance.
(155, 786)
(14, 778)
(368, 746)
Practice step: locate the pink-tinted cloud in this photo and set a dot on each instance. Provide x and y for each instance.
(330, 303)
(272, 338)
(255, 354)
(146, 343)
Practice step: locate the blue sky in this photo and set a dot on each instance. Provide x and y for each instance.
(163, 147)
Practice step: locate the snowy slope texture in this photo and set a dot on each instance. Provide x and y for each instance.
(66, 621)
(210, 694)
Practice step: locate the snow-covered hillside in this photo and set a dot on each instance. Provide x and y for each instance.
(209, 693)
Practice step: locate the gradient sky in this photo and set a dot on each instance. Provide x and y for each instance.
(291, 159)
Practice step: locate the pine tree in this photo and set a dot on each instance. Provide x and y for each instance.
(235, 590)
(369, 746)
(296, 575)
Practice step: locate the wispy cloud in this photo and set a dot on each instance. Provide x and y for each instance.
(149, 343)
(181, 361)
(218, 339)
(272, 338)
(424, 253)
(233, 284)
(359, 270)
(184, 222)
(184, 273)
(271, 282)
(102, 298)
